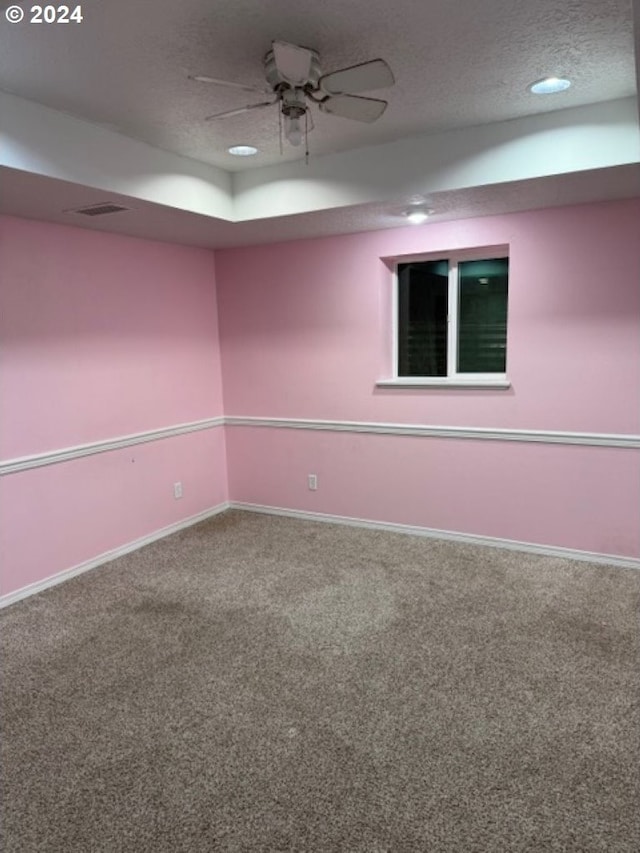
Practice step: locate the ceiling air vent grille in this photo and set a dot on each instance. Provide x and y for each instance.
(100, 209)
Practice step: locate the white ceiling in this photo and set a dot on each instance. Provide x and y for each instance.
(36, 197)
(461, 131)
(456, 63)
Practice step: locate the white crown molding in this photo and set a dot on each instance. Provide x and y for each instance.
(593, 439)
(53, 457)
(490, 541)
(108, 556)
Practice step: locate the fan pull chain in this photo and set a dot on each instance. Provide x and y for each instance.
(306, 137)
(280, 130)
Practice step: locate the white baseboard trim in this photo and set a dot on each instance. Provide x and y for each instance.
(491, 541)
(108, 556)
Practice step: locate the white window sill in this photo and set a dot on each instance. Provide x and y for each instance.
(436, 382)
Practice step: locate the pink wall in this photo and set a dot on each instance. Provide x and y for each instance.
(304, 325)
(102, 336)
(305, 334)
(585, 498)
(56, 517)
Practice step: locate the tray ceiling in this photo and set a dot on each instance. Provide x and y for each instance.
(456, 64)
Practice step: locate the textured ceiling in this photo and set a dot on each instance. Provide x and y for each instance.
(456, 64)
(37, 197)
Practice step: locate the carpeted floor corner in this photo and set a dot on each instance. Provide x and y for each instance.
(258, 683)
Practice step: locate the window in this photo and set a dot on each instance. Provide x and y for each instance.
(450, 318)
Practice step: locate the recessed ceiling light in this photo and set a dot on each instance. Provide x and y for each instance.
(418, 215)
(549, 85)
(243, 150)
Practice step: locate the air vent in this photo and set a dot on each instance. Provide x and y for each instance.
(99, 209)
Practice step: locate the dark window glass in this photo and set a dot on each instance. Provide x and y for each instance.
(482, 316)
(422, 318)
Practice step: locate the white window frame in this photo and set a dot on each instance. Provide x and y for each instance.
(453, 378)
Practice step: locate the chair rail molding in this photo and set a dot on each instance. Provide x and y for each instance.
(66, 454)
(594, 439)
(538, 436)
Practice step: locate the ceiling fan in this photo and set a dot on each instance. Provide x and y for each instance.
(295, 81)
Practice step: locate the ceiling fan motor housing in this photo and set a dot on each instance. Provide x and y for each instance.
(293, 103)
(278, 83)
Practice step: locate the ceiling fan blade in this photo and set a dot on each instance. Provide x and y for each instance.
(202, 78)
(354, 107)
(248, 108)
(364, 77)
(293, 62)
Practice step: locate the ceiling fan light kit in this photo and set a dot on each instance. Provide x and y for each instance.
(295, 82)
(293, 131)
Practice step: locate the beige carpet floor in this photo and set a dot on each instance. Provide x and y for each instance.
(259, 683)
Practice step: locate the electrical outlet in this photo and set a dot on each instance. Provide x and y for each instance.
(313, 481)
(177, 490)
